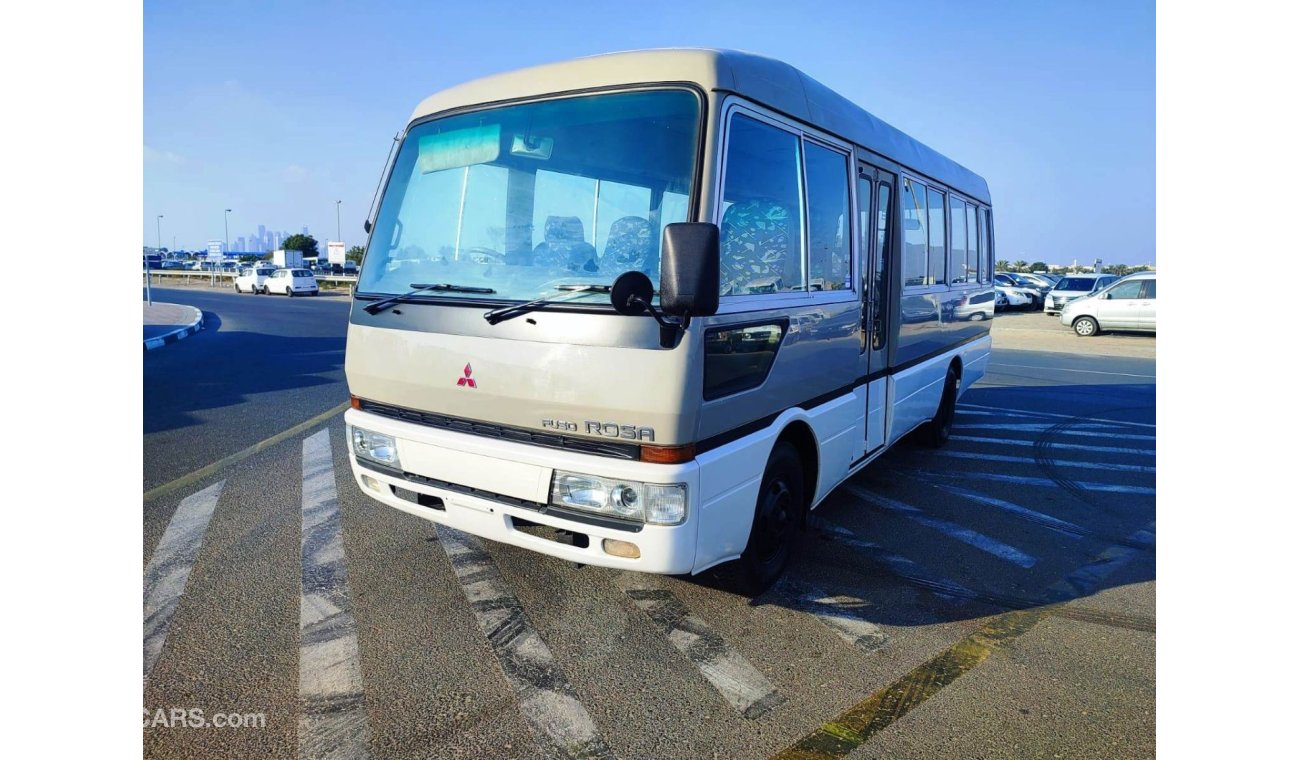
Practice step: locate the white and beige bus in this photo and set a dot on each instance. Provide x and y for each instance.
(646, 310)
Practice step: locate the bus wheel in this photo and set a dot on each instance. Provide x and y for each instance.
(778, 518)
(1085, 327)
(940, 427)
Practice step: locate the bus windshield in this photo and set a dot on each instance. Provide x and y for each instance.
(525, 198)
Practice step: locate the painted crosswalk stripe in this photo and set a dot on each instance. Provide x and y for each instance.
(169, 568)
(993, 411)
(961, 533)
(1056, 445)
(332, 722)
(1055, 463)
(547, 701)
(739, 682)
(896, 564)
(1047, 521)
(842, 614)
(1090, 430)
(1026, 480)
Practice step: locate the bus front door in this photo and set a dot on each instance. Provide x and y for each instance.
(875, 202)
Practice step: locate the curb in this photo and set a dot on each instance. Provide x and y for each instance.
(179, 333)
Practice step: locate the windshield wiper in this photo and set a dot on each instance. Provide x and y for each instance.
(513, 310)
(417, 287)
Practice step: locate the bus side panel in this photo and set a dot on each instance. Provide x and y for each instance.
(916, 392)
(920, 331)
(731, 474)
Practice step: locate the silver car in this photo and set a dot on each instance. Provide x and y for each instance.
(1129, 304)
(1072, 287)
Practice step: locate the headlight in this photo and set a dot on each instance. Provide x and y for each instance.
(626, 499)
(375, 447)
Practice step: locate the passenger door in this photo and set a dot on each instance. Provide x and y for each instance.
(1119, 307)
(876, 188)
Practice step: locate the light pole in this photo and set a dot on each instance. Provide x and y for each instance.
(338, 219)
(148, 275)
(226, 219)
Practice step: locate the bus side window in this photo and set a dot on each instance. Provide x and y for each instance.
(914, 236)
(761, 233)
(957, 273)
(937, 238)
(828, 217)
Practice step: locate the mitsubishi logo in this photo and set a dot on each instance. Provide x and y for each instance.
(468, 379)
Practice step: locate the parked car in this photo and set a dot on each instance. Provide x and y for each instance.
(1127, 304)
(1075, 286)
(291, 282)
(1009, 281)
(252, 279)
(1016, 298)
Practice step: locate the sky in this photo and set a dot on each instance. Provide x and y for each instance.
(278, 110)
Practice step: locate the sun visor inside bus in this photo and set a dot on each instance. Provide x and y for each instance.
(459, 148)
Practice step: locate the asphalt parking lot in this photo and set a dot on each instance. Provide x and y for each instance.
(992, 599)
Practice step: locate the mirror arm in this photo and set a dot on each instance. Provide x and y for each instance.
(669, 331)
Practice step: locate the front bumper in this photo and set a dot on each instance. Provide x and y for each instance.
(484, 465)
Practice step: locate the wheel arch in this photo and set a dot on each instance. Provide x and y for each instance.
(799, 434)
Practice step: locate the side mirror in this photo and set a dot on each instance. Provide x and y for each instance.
(689, 269)
(1106, 296)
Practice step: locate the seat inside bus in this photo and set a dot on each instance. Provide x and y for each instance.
(755, 248)
(629, 248)
(565, 246)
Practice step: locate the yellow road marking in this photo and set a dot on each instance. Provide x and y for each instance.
(845, 732)
(239, 456)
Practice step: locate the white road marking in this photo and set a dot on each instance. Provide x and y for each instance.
(961, 533)
(332, 722)
(547, 701)
(1056, 445)
(739, 682)
(842, 614)
(169, 568)
(1087, 579)
(993, 411)
(1062, 369)
(1089, 430)
(897, 564)
(1055, 462)
(998, 477)
(1047, 521)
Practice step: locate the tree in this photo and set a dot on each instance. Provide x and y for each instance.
(304, 243)
(355, 253)
(1019, 266)
(1000, 265)
(1038, 266)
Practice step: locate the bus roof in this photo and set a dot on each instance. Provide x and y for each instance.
(772, 83)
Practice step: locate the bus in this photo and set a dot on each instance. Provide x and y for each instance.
(645, 310)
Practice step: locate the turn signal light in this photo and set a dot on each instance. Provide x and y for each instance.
(668, 454)
(356, 403)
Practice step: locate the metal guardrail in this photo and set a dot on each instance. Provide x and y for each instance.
(228, 278)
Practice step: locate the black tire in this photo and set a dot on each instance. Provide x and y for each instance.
(237, 290)
(938, 430)
(288, 292)
(778, 519)
(1086, 327)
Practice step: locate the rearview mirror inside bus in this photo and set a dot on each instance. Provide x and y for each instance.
(688, 269)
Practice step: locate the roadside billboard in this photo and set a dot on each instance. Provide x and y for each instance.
(215, 252)
(336, 253)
